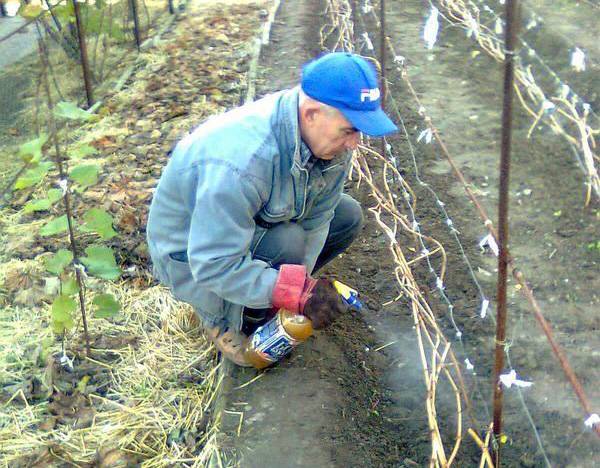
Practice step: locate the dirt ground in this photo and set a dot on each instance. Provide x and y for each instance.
(354, 395)
(338, 401)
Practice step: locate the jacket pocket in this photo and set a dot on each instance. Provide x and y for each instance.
(259, 233)
(185, 288)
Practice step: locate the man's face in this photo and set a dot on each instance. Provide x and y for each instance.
(330, 134)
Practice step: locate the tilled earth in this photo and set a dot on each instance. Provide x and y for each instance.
(343, 399)
(354, 395)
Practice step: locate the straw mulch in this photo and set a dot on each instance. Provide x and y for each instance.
(143, 395)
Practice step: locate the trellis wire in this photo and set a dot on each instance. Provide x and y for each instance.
(548, 111)
(518, 275)
(425, 323)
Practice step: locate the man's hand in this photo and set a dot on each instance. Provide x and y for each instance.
(299, 293)
(325, 304)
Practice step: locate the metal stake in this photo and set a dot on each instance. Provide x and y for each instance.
(136, 23)
(382, 48)
(83, 54)
(510, 40)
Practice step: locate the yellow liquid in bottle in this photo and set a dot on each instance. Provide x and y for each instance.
(291, 327)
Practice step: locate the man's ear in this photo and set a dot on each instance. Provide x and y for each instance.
(310, 111)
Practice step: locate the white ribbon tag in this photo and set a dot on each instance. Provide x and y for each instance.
(510, 379)
(578, 60)
(592, 420)
(432, 26)
(426, 134)
(367, 40)
(491, 243)
(484, 308)
(63, 186)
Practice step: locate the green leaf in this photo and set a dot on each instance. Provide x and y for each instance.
(30, 11)
(44, 203)
(34, 175)
(82, 384)
(57, 262)
(37, 205)
(31, 151)
(65, 13)
(69, 286)
(55, 226)
(69, 110)
(81, 151)
(106, 306)
(62, 313)
(100, 222)
(85, 174)
(96, 23)
(101, 262)
(54, 195)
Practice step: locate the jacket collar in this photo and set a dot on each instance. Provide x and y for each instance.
(288, 129)
(288, 134)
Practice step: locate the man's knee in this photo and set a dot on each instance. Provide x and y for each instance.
(283, 243)
(348, 218)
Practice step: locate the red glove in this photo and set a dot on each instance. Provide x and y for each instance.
(293, 288)
(299, 293)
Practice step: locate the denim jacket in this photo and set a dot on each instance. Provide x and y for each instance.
(244, 166)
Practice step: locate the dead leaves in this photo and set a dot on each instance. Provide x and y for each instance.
(74, 410)
(114, 342)
(17, 279)
(113, 458)
(105, 143)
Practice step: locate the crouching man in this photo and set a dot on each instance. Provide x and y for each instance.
(250, 204)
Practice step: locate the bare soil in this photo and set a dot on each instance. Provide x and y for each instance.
(340, 400)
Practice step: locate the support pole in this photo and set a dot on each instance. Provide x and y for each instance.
(354, 12)
(382, 49)
(509, 53)
(171, 7)
(2, 8)
(136, 23)
(85, 65)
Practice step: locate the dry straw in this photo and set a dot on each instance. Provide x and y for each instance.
(162, 379)
(440, 366)
(574, 124)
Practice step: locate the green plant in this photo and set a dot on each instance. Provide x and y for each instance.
(68, 263)
(594, 246)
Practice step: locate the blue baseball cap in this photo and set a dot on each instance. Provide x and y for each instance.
(348, 83)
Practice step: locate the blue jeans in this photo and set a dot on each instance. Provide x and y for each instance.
(284, 243)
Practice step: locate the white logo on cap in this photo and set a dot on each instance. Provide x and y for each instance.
(369, 94)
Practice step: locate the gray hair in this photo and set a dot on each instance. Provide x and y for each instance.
(329, 110)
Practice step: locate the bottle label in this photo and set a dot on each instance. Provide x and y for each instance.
(271, 340)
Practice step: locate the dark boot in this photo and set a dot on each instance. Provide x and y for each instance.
(254, 318)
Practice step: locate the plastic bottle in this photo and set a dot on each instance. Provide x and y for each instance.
(276, 338)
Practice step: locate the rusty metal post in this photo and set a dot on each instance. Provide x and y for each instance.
(509, 53)
(382, 46)
(85, 65)
(353, 13)
(136, 22)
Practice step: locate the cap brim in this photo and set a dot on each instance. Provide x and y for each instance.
(372, 123)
